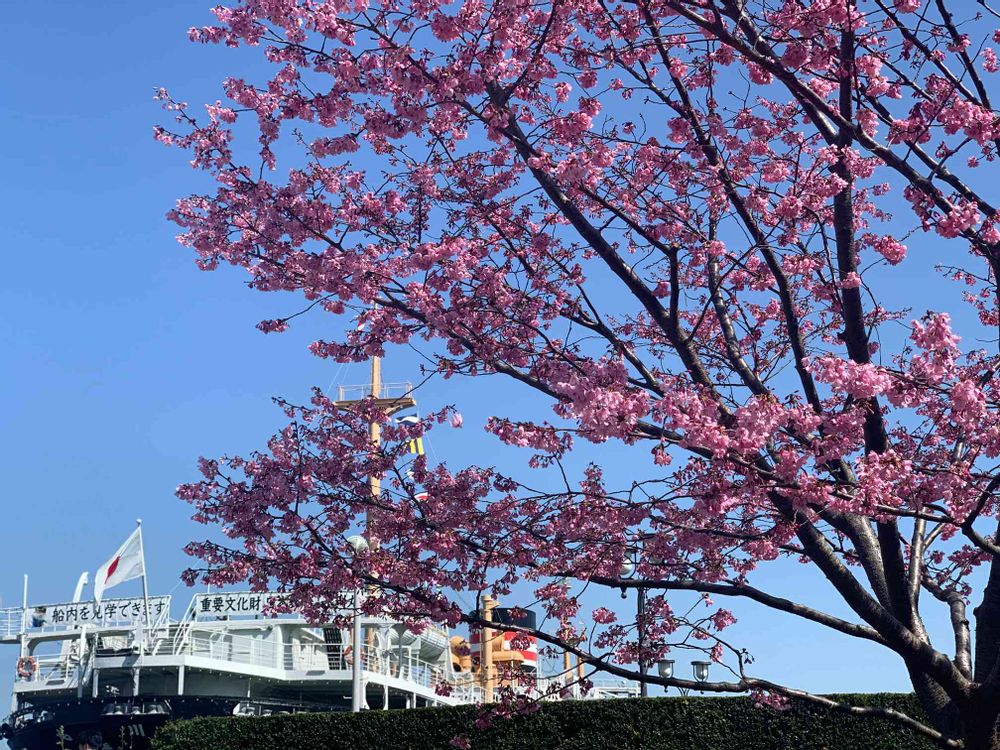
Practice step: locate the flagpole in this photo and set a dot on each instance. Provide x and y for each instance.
(142, 554)
(14, 703)
(24, 618)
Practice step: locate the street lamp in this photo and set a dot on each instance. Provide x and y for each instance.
(358, 545)
(700, 669)
(629, 566)
(665, 668)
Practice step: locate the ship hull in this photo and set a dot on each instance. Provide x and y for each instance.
(123, 726)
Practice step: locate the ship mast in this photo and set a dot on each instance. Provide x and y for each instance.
(375, 433)
(389, 404)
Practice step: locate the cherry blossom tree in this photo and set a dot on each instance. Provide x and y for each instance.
(703, 229)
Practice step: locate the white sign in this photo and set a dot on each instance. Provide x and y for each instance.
(236, 604)
(107, 612)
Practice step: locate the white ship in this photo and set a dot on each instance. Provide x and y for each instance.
(86, 667)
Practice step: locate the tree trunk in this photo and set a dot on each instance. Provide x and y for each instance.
(980, 726)
(939, 707)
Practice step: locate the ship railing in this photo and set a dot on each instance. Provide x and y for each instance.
(296, 657)
(334, 656)
(11, 622)
(53, 671)
(405, 666)
(180, 634)
(555, 687)
(386, 391)
(468, 688)
(311, 657)
(216, 645)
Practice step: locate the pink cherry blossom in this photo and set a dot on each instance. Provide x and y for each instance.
(684, 277)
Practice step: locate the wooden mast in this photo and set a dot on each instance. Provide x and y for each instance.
(375, 433)
(388, 405)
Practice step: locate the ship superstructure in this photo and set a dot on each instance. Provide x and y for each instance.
(87, 666)
(84, 663)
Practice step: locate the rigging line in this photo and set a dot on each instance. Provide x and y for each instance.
(463, 601)
(336, 378)
(430, 446)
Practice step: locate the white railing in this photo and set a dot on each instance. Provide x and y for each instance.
(312, 658)
(614, 685)
(308, 657)
(296, 657)
(218, 646)
(467, 688)
(386, 391)
(11, 622)
(182, 633)
(53, 671)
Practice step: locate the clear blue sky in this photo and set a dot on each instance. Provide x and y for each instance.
(121, 363)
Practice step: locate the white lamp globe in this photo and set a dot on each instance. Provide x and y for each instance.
(700, 669)
(665, 668)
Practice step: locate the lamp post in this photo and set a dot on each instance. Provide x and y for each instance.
(629, 566)
(358, 545)
(640, 620)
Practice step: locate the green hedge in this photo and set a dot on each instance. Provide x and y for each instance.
(639, 724)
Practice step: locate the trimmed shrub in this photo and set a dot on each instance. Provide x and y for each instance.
(625, 724)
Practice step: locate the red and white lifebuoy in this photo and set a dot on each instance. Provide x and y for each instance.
(349, 656)
(27, 666)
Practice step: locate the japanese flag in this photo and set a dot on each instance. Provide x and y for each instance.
(127, 563)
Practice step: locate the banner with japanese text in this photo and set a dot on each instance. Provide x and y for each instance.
(108, 611)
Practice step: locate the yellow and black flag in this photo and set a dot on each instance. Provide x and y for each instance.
(416, 444)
